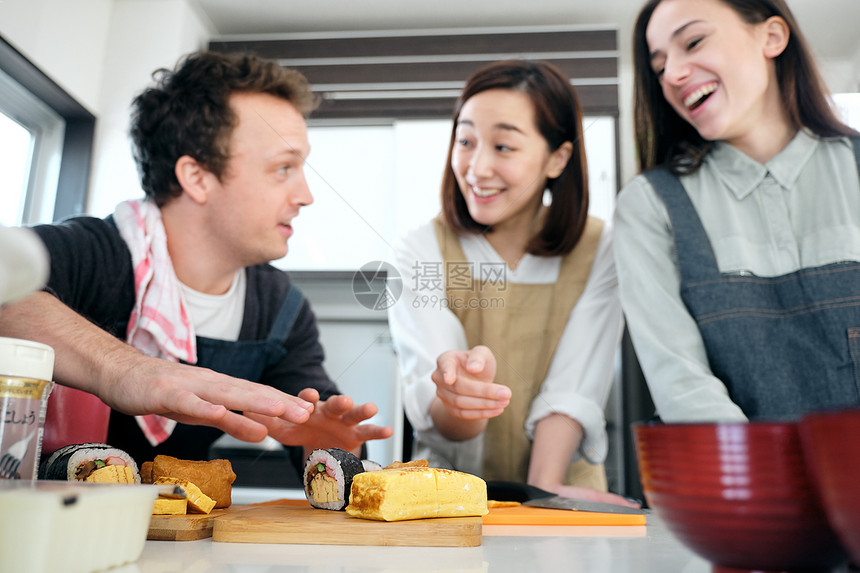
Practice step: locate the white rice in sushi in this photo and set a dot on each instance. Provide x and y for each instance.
(371, 466)
(328, 477)
(68, 462)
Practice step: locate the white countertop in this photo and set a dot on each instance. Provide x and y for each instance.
(505, 549)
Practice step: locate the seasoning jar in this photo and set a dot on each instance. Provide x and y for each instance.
(26, 369)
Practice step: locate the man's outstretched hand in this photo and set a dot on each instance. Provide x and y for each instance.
(334, 423)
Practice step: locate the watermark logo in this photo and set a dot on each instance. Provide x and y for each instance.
(377, 285)
(458, 285)
(430, 276)
(431, 301)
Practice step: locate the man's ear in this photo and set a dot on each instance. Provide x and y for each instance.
(778, 35)
(194, 179)
(558, 160)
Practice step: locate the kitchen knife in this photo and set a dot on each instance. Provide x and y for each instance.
(568, 503)
(171, 491)
(537, 497)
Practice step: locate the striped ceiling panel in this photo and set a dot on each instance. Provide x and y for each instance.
(418, 74)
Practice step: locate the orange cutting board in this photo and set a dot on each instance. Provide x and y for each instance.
(526, 515)
(295, 521)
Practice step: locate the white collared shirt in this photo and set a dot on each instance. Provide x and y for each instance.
(582, 370)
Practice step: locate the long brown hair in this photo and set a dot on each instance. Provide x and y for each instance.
(663, 137)
(559, 119)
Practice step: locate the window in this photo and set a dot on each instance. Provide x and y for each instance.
(15, 144)
(46, 140)
(370, 184)
(848, 108)
(31, 143)
(373, 183)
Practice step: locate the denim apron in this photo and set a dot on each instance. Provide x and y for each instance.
(246, 359)
(783, 346)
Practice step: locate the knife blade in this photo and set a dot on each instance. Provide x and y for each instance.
(568, 503)
(171, 491)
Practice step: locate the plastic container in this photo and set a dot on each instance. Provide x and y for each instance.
(24, 263)
(26, 369)
(74, 527)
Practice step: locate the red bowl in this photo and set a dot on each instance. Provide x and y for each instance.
(730, 453)
(725, 479)
(758, 512)
(831, 441)
(704, 469)
(735, 494)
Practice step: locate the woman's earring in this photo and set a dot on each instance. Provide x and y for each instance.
(547, 197)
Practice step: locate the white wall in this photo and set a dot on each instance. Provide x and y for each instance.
(144, 35)
(856, 62)
(64, 38)
(103, 52)
(839, 75)
(626, 145)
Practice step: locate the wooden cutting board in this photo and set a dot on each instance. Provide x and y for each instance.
(297, 522)
(452, 532)
(185, 527)
(526, 515)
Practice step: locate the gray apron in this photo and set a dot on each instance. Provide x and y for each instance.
(784, 345)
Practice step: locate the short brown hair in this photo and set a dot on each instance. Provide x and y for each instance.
(663, 137)
(559, 119)
(188, 112)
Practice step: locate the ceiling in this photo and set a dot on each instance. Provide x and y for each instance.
(830, 25)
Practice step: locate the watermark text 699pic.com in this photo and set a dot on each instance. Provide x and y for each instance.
(460, 292)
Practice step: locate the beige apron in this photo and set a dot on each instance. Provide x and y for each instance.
(522, 325)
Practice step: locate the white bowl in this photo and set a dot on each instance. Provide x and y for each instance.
(75, 527)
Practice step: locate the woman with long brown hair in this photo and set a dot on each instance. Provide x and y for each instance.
(507, 331)
(738, 248)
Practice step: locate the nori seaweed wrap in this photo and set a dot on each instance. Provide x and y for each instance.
(328, 477)
(77, 461)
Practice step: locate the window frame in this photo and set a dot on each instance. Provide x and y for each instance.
(74, 171)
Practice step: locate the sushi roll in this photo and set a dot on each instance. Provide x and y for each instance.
(371, 466)
(328, 478)
(92, 462)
